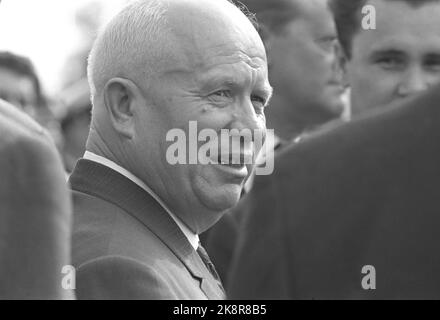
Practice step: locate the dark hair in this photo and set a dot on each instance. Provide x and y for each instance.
(23, 67)
(348, 14)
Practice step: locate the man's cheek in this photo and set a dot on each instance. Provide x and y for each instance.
(385, 88)
(436, 79)
(375, 86)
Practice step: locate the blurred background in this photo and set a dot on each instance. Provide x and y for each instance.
(44, 46)
(53, 34)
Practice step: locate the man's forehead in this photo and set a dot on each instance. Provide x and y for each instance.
(316, 17)
(399, 26)
(208, 51)
(188, 15)
(203, 31)
(236, 73)
(417, 49)
(390, 12)
(235, 68)
(205, 58)
(237, 58)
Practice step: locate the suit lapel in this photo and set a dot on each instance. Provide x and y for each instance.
(100, 181)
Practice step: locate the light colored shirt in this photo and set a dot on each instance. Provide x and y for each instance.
(191, 236)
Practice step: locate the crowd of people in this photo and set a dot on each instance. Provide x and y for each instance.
(86, 178)
(65, 116)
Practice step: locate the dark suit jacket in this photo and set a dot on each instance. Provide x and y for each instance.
(366, 193)
(125, 246)
(35, 211)
(221, 239)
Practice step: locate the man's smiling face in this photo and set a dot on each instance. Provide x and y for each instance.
(219, 79)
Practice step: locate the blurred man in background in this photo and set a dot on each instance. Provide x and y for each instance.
(20, 86)
(74, 114)
(74, 111)
(88, 17)
(398, 59)
(304, 67)
(301, 41)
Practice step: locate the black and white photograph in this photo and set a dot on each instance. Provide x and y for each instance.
(232, 152)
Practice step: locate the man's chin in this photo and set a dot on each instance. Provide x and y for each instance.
(218, 199)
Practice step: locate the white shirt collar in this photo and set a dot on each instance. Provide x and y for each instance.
(191, 236)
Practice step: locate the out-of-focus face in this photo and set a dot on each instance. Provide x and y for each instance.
(304, 68)
(400, 59)
(18, 90)
(220, 80)
(75, 134)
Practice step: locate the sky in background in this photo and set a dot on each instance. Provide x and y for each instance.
(46, 32)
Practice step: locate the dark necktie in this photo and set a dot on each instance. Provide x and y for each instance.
(205, 258)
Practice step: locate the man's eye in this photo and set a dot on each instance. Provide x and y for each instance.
(258, 102)
(328, 43)
(433, 64)
(390, 63)
(222, 94)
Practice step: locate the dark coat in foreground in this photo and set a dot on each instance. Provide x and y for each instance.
(35, 211)
(364, 194)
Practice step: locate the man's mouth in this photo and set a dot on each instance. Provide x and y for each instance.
(234, 164)
(235, 160)
(239, 170)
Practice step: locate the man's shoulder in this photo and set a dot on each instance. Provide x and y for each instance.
(102, 228)
(117, 256)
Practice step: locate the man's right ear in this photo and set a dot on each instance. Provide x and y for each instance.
(120, 98)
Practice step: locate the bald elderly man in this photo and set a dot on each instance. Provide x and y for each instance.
(35, 211)
(157, 66)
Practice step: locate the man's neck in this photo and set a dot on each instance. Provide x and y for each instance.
(192, 237)
(97, 145)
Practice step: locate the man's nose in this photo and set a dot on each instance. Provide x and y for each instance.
(415, 81)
